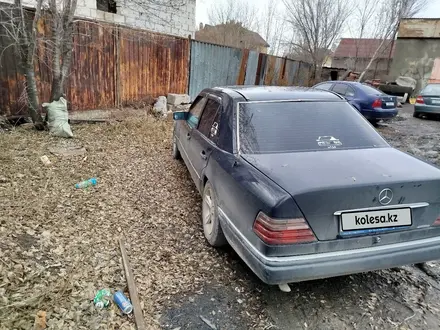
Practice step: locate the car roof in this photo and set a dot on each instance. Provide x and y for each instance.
(278, 93)
(353, 83)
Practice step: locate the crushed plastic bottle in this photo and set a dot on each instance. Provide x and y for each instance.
(85, 184)
(102, 298)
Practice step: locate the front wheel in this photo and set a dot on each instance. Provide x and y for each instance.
(210, 219)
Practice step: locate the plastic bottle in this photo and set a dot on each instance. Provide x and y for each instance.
(87, 183)
(102, 298)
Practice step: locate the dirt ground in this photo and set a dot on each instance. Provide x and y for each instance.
(58, 245)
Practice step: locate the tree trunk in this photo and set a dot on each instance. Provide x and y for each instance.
(33, 102)
(371, 61)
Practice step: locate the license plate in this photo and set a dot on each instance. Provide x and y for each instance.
(376, 219)
(390, 104)
(435, 101)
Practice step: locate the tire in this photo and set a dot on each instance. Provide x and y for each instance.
(416, 114)
(373, 121)
(176, 152)
(211, 223)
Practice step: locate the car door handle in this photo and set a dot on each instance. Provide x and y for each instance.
(203, 155)
(188, 136)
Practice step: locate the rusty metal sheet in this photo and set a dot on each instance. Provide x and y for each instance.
(243, 67)
(435, 74)
(212, 65)
(419, 28)
(251, 69)
(151, 65)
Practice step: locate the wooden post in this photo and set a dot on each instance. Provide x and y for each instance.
(138, 317)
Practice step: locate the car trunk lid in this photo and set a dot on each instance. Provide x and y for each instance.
(388, 102)
(325, 183)
(431, 99)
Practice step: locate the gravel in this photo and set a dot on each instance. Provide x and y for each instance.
(59, 245)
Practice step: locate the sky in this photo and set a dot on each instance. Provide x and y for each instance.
(432, 11)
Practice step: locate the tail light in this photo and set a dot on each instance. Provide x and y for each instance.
(437, 222)
(377, 103)
(283, 231)
(420, 100)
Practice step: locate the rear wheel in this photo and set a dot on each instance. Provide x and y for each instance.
(211, 222)
(416, 114)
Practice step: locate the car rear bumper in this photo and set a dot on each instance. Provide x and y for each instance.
(279, 270)
(423, 108)
(379, 114)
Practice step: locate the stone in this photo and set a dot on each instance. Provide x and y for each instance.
(160, 107)
(178, 99)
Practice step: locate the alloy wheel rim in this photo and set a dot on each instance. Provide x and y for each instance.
(208, 213)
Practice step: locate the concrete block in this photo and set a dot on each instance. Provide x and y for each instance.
(120, 19)
(178, 99)
(91, 4)
(82, 11)
(93, 13)
(109, 17)
(100, 15)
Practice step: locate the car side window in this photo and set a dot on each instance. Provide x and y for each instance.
(324, 86)
(195, 111)
(350, 92)
(210, 120)
(341, 89)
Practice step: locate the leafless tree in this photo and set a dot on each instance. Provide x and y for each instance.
(241, 11)
(61, 21)
(390, 13)
(361, 25)
(19, 26)
(272, 26)
(316, 24)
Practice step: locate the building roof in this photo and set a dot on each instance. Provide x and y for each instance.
(275, 93)
(207, 33)
(419, 28)
(363, 48)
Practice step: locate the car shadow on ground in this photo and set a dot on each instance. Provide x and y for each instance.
(388, 297)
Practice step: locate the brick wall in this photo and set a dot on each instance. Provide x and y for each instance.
(175, 21)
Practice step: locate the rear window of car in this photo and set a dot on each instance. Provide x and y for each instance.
(370, 90)
(431, 90)
(303, 126)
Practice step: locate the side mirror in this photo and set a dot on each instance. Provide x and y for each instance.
(180, 115)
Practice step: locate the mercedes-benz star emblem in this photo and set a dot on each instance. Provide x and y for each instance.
(386, 196)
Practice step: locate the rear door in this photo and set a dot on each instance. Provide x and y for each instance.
(201, 140)
(184, 131)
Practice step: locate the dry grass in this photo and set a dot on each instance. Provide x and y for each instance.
(59, 245)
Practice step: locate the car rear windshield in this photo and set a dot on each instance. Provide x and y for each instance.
(431, 90)
(303, 126)
(370, 90)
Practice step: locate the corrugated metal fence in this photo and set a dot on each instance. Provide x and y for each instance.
(215, 65)
(114, 66)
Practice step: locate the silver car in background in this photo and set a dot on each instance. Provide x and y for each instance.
(428, 102)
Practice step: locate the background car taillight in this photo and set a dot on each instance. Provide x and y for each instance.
(420, 100)
(283, 231)
(377, 103)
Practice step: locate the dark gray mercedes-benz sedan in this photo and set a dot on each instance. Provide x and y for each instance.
(303, 187)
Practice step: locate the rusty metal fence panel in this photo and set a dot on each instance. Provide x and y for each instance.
(151, 65)
(251, 69)
(212, 65)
